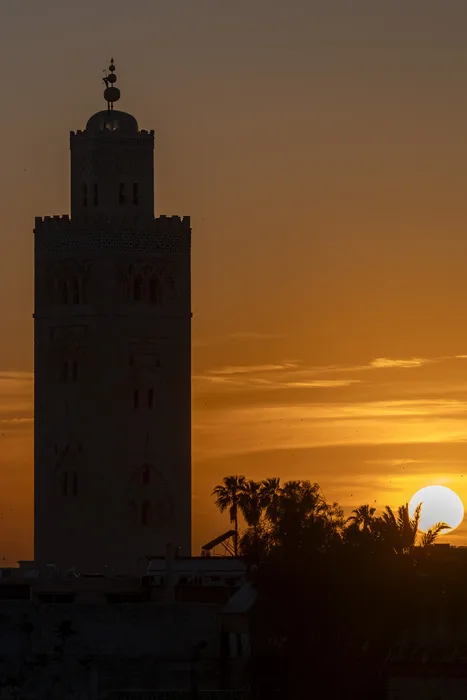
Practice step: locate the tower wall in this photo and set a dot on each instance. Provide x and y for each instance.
(112, 173)
(112, 334)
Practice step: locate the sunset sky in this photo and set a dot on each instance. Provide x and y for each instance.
(321, 151)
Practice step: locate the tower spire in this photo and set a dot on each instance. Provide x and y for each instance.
(111, 93)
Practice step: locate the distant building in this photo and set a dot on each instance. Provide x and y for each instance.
(180, 632)
(112, 333)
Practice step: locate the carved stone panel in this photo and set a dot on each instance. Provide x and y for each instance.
(147, 281)
(66, 282)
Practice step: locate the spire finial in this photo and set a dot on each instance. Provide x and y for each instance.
(111, 93)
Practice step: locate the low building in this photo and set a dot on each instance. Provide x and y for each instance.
(182, 626)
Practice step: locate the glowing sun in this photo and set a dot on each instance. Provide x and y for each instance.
(439, 504)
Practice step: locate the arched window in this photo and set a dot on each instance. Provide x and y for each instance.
(63, 292)
(135, 193)
(75, 291)
(138, 288)
(65, 483)
(135, 398)
(126, 290)
(145, 513)
(146, 474)
(75, 484)
(150, 398)
(171, 287)
(64, 372)
(121, 193)
(74, 371)
(154, 290)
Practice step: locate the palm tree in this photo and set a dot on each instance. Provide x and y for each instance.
(271, 490)
(228, 497)
(252, 501)
(305, 521)
(430, 536)
(362, 517)
(400, 530)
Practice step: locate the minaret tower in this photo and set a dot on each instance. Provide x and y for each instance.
(112, 334)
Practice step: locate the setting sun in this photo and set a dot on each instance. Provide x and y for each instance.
(439, 504)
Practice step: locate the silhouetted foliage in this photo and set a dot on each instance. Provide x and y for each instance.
(334, 594)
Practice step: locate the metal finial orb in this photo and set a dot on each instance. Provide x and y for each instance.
(112, 78)
(112, 94)
(112, 67)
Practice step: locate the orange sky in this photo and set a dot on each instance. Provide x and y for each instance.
(321, 152)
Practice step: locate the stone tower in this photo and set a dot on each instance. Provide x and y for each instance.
(112, 335)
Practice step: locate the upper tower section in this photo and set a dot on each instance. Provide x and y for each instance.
(112, 163)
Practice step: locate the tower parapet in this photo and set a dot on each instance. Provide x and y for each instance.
(63, 222)
(82, 138)
(60, 235)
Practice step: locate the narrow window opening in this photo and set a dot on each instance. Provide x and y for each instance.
(65, 483)
(131, 361)
(154, 290)
(135, 398)
(64, 373)
(135, 193)
(150, 398)
(145, 513)
(64, 292)
(146, 475)
(121, 193)
(96, 195)
(75, 291)
(74, 371)
(75, 484)
(138, 289)
(85, 195)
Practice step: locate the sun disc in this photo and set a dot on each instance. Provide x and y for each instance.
(439, 504)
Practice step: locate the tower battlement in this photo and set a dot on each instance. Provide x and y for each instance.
(81, 137)
(162, 224)
(56, 222)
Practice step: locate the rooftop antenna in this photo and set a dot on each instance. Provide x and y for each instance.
(111, 93)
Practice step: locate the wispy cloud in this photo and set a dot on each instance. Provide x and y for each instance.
(387, 363)
(17, 420)
(258, 428)
(252, 335)
(213, 379)
(321, 383)
(17, 377)
(295, 367)
(252, 369)
(16, 394)
(293, 374)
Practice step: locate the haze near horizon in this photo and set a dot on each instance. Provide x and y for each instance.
(320, 150)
